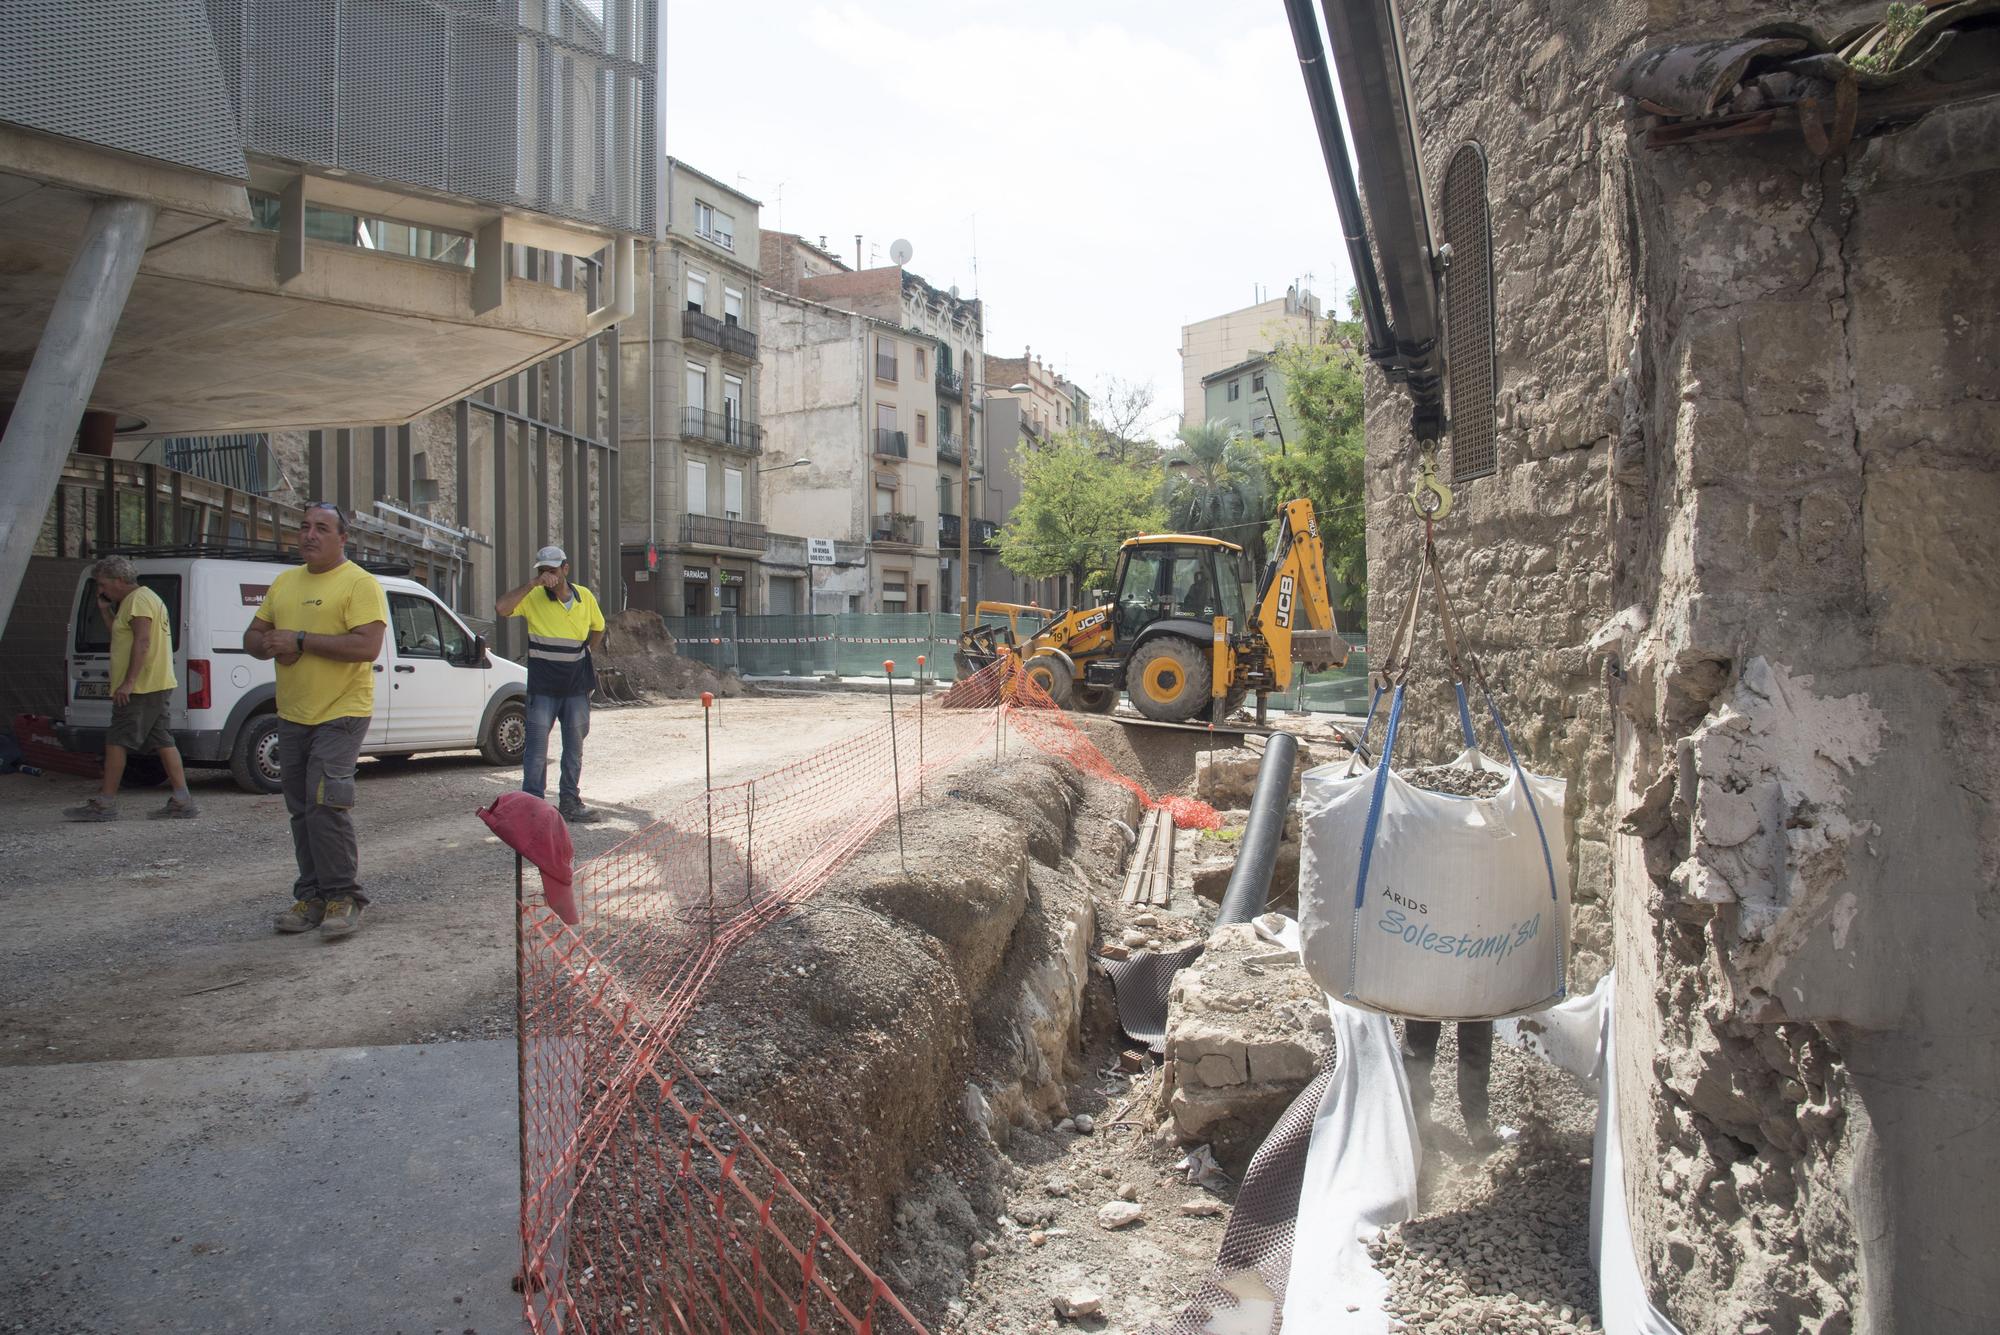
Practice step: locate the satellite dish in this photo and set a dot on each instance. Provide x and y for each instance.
(954, 291)
(900, 251)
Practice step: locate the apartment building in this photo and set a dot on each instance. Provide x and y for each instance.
(910, 417)
(1223, 341)
(691, 521)
(1050, 403)
(1250, 397)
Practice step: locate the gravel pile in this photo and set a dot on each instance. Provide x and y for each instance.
(1455, 779)
(1503, 1244)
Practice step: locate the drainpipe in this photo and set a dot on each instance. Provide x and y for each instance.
(61, 377)
(1250, 884)
(652, 408)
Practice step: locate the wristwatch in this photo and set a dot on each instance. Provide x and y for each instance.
(302, 641)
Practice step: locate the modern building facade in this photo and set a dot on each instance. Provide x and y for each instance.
(1223, 341)
(690, 511)
(1250, 398)
(225, 215)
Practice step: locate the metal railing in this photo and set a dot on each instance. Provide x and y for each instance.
(948, 532)
(901, 529)
(722, 429)
(885, 367)
(985, 535)
(714, 531)
(950, 446)
(234, 461)
(700, 325)
(950, 384)
(892, 444)
(738, 341)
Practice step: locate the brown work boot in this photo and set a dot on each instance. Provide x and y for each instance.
(96, 809)
(302, 916)
(175, 809)
(343, 915)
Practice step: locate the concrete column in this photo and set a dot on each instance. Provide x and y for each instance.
(61, 377)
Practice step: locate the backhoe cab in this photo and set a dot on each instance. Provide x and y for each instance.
(1188, 631)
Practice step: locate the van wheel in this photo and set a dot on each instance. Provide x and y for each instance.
(506, 739)
(253, 761)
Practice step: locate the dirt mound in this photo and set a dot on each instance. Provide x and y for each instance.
(638, 648)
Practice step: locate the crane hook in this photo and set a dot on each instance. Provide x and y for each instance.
(1430, 498)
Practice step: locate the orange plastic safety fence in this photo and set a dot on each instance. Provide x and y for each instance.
(644, 1205)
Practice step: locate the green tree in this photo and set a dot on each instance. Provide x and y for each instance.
(1217, 484)
(1324, 459)
(1076, 507)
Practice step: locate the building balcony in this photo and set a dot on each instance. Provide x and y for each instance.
(701, 326)
(894, 530)
(725, 429)
(737, 535)
(948, 533)
(738, 341)
(891, 444)
(950, 446)
(985, 535)
(950, 385)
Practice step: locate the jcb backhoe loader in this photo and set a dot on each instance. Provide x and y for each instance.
(1183, 632)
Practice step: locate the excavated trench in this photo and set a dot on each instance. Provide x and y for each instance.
(929, 1049)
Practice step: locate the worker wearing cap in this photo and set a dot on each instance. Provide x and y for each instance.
(564, 626)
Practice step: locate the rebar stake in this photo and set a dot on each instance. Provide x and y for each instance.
(708, 802)
(920, 729)
(895, 763)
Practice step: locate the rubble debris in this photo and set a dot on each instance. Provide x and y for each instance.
(1457, 780)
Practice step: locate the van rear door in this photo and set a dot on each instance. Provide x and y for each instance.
(90, 681)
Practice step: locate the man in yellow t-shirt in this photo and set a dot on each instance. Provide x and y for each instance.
(142, 688)
(322, 622)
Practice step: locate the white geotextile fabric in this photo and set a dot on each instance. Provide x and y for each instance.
(1578, 1036)
(1465, 900)
(1361, 1171)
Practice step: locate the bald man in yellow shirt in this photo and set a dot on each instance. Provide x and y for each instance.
(322, 622)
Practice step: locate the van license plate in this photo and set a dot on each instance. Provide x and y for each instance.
(93, 690)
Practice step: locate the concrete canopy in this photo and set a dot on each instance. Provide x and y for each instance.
(209, 340)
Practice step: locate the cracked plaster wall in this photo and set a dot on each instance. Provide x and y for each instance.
(1749, 437)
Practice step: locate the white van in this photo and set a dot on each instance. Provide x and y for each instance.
(438, 688)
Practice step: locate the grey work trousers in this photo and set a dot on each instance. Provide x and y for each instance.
(318, 761)
(1475, 1065)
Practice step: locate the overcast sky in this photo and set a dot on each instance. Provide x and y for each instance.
(1118, 167)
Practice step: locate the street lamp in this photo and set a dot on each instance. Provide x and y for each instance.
(965, 511)
(800, 462)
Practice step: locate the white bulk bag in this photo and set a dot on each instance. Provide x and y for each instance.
(1428, 905)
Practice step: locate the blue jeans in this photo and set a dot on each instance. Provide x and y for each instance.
(543, 713)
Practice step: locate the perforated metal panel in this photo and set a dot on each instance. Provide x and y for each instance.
(1468, 323)
(139, 76)
(546, 105)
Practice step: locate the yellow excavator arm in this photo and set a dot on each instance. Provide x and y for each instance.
(1294, 610)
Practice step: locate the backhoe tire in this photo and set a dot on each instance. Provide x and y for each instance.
(1052, 675)
(1168, 679)
(1096, 699)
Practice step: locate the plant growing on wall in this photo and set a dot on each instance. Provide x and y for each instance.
(1323, 461)
(1075, 508)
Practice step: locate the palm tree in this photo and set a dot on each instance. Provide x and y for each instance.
(1216, 484)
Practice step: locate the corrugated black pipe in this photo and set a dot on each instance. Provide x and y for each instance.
(1250, 884)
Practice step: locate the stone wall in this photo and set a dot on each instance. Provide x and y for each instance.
(1747, 451)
